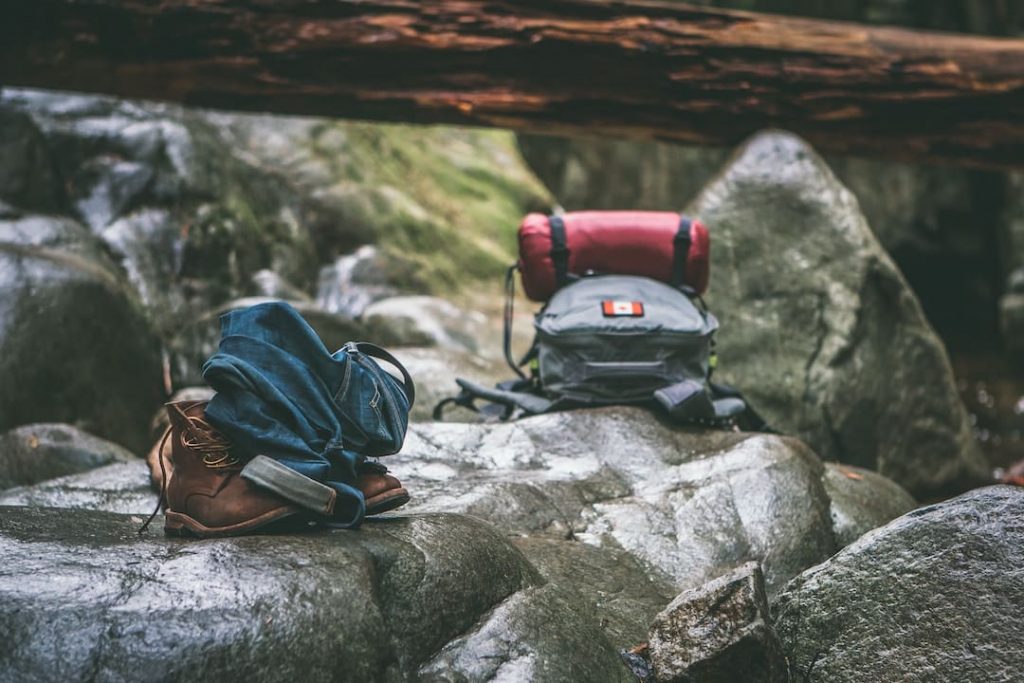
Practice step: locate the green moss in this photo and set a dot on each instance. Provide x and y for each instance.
(445, 200)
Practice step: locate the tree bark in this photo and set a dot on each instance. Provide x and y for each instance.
(650, 69)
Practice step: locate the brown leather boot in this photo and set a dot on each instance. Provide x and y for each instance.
(382, 491)
(205, 496)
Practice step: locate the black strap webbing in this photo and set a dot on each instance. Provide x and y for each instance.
(559, 251)
(681, 251)
(510, 296)
(408, 386)
(750, 420)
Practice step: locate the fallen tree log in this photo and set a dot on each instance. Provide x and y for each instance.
(651, 69)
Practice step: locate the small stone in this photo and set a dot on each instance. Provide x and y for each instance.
(720, 631)
(862, 500)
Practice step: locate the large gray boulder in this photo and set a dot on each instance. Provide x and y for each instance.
(689, 504)
(820, 329)
(616, 511)
(685, 504)
(936, 595)
(28, 177)
(93, 599)
(34, 453)
(75, 345)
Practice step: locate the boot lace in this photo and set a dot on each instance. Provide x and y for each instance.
(198, 435)
(216, 449)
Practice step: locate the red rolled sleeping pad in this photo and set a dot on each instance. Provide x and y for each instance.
(661, 245)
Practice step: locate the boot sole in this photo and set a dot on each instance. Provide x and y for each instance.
(180, 524)
(384, 502)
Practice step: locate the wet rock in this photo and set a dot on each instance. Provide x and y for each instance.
(196, 342)
(610, 505)
(603, 173)
(686, 504)
(111, 186)
(354, 281)
(690, 504)
(864, 380)
(626, 593)
(720, 631)
(34, 453)
(28, 176)
(434, 370)
(190, 218)
(439, 203)
(862, 500)
(934, 595)
(615, 510)
(123, 488)
(373, 605)
(423, 321)
(270, 284)
(75, 346)
(199, 207)
(539, 634)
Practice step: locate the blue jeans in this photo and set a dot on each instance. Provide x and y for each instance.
(276, 387)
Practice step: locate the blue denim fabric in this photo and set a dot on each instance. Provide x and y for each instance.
(277, 389)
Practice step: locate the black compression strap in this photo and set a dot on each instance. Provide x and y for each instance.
(510, 297)
(559, 251)
(681, 250)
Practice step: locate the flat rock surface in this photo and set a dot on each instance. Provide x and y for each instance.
(685, 504)
(87, 598)
(935, 595)
(123, 488)
(688, 503)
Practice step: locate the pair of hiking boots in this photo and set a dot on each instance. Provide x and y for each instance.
(205, 494)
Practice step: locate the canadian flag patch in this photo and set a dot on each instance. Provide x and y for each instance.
(616, 309)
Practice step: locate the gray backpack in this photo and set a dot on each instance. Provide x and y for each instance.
(614, 340)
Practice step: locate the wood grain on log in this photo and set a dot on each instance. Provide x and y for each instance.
(649, 69)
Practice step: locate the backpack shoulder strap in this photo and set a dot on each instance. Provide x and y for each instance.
(369, 349)
(504, 395)
(746, 417)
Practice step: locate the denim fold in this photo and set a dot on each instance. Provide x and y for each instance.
(276, 385)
